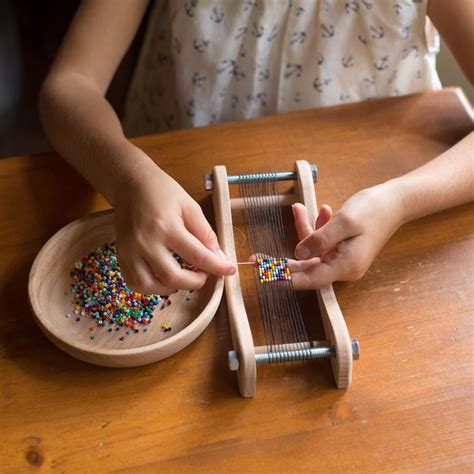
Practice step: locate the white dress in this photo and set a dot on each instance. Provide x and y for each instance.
(210, 61)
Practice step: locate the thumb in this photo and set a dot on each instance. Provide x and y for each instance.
(323, 239)
(325, 214)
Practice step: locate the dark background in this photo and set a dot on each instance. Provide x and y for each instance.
(30, 35)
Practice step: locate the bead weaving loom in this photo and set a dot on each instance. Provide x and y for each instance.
(285, 332)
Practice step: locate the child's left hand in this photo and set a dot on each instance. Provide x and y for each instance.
(343, 246)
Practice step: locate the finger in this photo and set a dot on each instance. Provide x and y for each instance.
(197, 224)
(139, 277)
(324, 216)
(297, 266)
(324, 239)
(312, 274)
(348, 262)
(302, 225)
(194, 252)
(170, 274)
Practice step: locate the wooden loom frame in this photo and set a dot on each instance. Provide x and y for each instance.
(334, 324)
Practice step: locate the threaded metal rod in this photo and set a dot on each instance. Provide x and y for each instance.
(291, 356)
(319, 350)
(257, 177)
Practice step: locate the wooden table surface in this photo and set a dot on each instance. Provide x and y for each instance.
(410, 406)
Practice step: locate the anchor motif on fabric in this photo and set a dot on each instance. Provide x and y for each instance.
(362, 39)
(200, 47)
(381, 64)
(398, 8)
(231, 66)
(259, 98)
(376, 33)
(367, 4)
(198, 79)
(406, 32)
(319, 59)
(216, 16)
(319, 84)
(413, 48)
(299, 11)
(348, 62)
(257, 30)
(234, 101)
(249, 4)
(327, 31)
(273, 34)
(190, 7)
(351, 7)
(369, 81)
(293, 70)
(298, 37)
(263, 75)
(242, 51)
(241, 32)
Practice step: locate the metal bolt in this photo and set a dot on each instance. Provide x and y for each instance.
(208, 181)
(233, 360)
(320, 350)
(355, 349)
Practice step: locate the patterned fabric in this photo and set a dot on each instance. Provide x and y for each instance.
(209, 61)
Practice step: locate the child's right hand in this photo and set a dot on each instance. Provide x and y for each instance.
(155, 217)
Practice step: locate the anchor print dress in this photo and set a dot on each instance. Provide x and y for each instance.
(210, 61)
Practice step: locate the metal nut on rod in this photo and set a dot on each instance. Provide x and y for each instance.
(318, 351)
(233, 359)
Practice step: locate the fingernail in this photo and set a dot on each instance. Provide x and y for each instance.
(222, 255)
(302, 252)
(231, 271)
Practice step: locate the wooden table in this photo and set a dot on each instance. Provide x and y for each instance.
(410, 405)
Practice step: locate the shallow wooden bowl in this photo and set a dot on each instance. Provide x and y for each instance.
(50, 296)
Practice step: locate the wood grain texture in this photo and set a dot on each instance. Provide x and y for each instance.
(242, 340)
(335, 327)
(409, 408)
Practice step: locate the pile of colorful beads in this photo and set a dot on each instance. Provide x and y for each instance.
(273, 269)
(100, 291)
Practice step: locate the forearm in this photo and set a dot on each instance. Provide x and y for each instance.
(84, 129)
(442, 183)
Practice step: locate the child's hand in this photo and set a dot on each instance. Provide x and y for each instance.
(155, 217)
(343, 246)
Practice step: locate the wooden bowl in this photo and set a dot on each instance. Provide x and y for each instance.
(50, 296)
